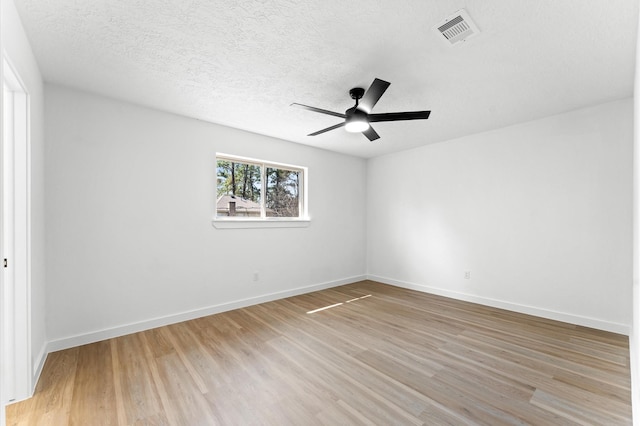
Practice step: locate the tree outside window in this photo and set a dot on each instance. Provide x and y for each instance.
(241, 193)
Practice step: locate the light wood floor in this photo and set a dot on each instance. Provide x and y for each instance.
(382, 356)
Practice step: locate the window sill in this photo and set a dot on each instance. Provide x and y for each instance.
(259, 223)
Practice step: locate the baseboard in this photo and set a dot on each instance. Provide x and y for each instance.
(634, 353)
(96, 336)
(38, 366)
(514, 307)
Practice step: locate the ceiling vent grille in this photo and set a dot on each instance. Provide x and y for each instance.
(457, 28)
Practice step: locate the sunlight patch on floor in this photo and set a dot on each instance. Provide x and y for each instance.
(358, 298)
(338, 304)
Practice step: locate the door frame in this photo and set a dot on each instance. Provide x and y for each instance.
(16, 341)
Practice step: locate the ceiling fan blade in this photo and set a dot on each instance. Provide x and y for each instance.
(371, 134)
(326, 130)
(320, 110)
(397, 116)
(373, 95)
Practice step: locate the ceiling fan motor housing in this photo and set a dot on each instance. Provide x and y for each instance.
(355, 113)
(357, 120)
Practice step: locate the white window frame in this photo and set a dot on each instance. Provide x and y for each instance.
(240, 222)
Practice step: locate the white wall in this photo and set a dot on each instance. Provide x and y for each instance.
(17, 49)
(130, 197)
(634, 338)
(540, 214)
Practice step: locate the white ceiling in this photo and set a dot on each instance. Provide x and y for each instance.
(242, 63)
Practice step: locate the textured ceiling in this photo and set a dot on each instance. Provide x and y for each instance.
(242, 63)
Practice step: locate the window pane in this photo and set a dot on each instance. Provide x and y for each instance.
(283, 192)
(239, 187)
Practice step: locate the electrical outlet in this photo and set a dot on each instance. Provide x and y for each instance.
(256, 276)
(467, 275)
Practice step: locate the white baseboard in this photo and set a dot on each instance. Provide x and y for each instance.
(515, 307)
(96, 336)
(634, 352)
(38, 366)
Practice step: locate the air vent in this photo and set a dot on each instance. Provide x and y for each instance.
(457, 28)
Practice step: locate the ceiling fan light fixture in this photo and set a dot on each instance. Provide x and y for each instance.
(356, 125)
(356, 120)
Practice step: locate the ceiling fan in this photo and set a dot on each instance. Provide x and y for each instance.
(358, 117)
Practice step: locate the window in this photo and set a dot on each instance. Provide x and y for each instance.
(255, 190)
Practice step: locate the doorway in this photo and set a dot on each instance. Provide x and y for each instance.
(15, 247)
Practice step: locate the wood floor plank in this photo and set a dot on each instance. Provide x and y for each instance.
(148, 345)
(93, 401)
(593, 385)
(56, 390)
(486, 391)
(339, 413)
(579, 413)
(136, 393)
(185, 401)
(364, 353)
